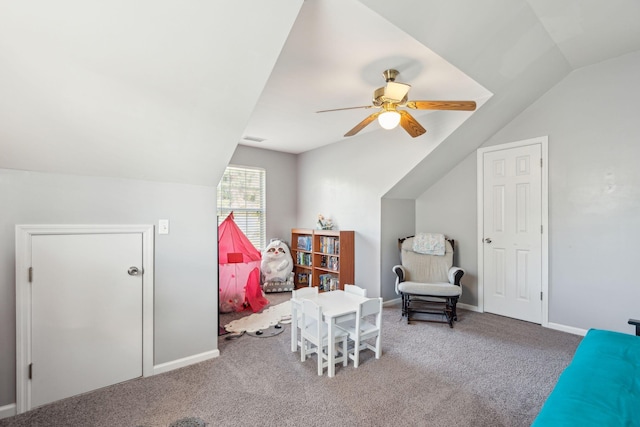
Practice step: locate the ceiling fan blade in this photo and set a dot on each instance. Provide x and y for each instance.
(347, 108)
(362, 124)
(442, 105)
(410, 124)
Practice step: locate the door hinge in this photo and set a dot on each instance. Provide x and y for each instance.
(540, 162)
(540, 295)
(30, 274)
(542, 229)
(30, 370)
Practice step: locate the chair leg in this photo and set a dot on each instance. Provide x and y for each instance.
(406, 302)
(378, 346)
(452, 310)
(320, 357)
(303, 345)
(294, 336)
(449, 311)
(356, 353)
(408, 308)
(345, 352)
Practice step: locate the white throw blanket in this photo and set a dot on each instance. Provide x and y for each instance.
(270, 316)
(429, 243)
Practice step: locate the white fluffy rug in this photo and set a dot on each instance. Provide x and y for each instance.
(270, 316)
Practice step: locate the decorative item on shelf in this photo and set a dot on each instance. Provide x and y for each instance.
(324, 223)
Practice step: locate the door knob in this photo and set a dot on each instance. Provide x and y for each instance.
(134, 271)
(487, 240)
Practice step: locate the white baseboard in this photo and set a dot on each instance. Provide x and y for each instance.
(468, 307)
(568, 329)
(391, 302)
(7, 411)
(186, 361)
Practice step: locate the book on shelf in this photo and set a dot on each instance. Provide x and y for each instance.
(303, 278)
(330, 262)
(328, 282)
(304, 243)
(303, 259)
(330, 245)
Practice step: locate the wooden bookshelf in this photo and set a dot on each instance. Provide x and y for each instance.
(302, 254)
(323, 258)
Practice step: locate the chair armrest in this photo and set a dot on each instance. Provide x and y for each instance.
(400, 275)
(637, 323)
(399, 270)
(455, 274)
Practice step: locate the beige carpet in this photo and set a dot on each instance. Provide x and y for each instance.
(488, 371)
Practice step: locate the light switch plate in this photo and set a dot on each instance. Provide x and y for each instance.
(163, 226)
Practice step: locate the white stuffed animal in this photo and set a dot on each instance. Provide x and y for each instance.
(277, 263)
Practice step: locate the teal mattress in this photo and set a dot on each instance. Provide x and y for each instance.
(601, 385)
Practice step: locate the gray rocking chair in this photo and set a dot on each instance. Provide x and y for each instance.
(428, 284)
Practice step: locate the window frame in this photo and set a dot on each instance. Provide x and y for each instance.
(244, 211)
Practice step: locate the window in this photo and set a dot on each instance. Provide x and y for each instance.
(242, 191)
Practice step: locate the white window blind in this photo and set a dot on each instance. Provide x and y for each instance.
(242, 191)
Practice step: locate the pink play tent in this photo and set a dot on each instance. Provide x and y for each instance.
(239, 264)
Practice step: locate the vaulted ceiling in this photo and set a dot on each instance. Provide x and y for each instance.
(337, 50)
(164, 90)
(150, 89)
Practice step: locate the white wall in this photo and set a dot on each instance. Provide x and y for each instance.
(281, 183)
(186, 295)
(398, 220)
(591, 118)
(449, 207)
(346, 182)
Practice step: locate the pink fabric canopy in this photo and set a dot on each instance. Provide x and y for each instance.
(239, 264)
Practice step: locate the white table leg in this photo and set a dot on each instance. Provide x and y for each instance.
(294, 328)
(331, 349)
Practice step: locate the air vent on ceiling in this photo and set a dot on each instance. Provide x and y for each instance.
(252, 139)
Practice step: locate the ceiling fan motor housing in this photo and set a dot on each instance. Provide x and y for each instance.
(395, 93)
(390, 75)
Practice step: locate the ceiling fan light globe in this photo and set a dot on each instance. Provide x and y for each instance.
(389, 119)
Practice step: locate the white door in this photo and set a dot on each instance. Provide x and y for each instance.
(512, 232)
(86, 313)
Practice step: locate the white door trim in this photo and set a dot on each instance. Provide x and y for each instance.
(24, 234)
(543, 141)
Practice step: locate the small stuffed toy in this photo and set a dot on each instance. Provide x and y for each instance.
(277, 263)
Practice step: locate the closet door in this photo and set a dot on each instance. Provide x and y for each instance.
(86, 313)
